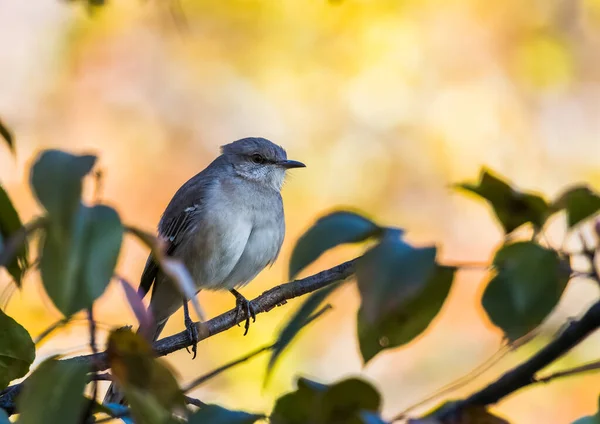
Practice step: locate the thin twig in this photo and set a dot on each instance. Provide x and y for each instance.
(195, 402)
(524, 374)
(203, 378)
(50, 329)
(90, 409)
(99, 185)
(472, 375)
(592, 366)
(198, 381)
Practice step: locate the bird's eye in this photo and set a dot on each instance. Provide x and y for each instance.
(256, 158)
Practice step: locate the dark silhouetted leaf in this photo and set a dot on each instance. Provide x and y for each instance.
(513, 208)
(344, 401)
(311, 385)
(54, 393)
(145, 409)
(478, 415)
(410, 319)
(592, 419)
(17, 350)
(299, 407)
(56, 178)
(81, 245)
(401, 289)
(76, 271)
(213, 414)
(6, 134)
(390, 273)
(529, 281)
(315, 403)
(580, 203)
(136, 369)
(9, 225)
(297, 322)
(330, 231)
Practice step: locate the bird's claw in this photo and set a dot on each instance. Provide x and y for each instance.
(242, 303)
(192, 331)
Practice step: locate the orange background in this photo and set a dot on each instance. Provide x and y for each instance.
(388, 103)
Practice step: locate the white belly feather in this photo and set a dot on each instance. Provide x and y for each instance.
(233, 248)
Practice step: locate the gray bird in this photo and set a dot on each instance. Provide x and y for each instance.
(226, 224)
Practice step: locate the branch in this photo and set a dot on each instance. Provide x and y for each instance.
(525, 374)
(592, 366)
(276, 296)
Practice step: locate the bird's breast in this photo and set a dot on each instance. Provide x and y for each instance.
(261, 249)
(240, 238)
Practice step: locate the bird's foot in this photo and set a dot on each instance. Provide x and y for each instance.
(243, 304)
(192, 331)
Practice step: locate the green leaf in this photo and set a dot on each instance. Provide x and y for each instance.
(6, 134)
(298, 407)
(330, 231)
(410, 319)
(214, 414)
(54, 393)
(76, 271)
(315, 403)
(390, 273)
(591, 419)
(81, 244)
(580, 203)
(56, 178)
(345, 401)
(402, 289)
(296, 323)
(17, 350)
(141, 375)
(513, 208)
(529, 281)
(10, 223)
(144, 407)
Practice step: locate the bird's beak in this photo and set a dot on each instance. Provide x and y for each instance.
(288, 164)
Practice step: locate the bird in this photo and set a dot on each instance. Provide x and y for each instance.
(226, 224)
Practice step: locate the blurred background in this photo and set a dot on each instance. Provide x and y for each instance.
(388, 102)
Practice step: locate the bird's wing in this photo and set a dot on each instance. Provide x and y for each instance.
(178, 219)
(173, 233)
(148, 276)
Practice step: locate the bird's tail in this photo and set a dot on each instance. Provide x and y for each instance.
(113, 394)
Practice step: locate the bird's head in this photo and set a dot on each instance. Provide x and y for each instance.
(257, 159)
